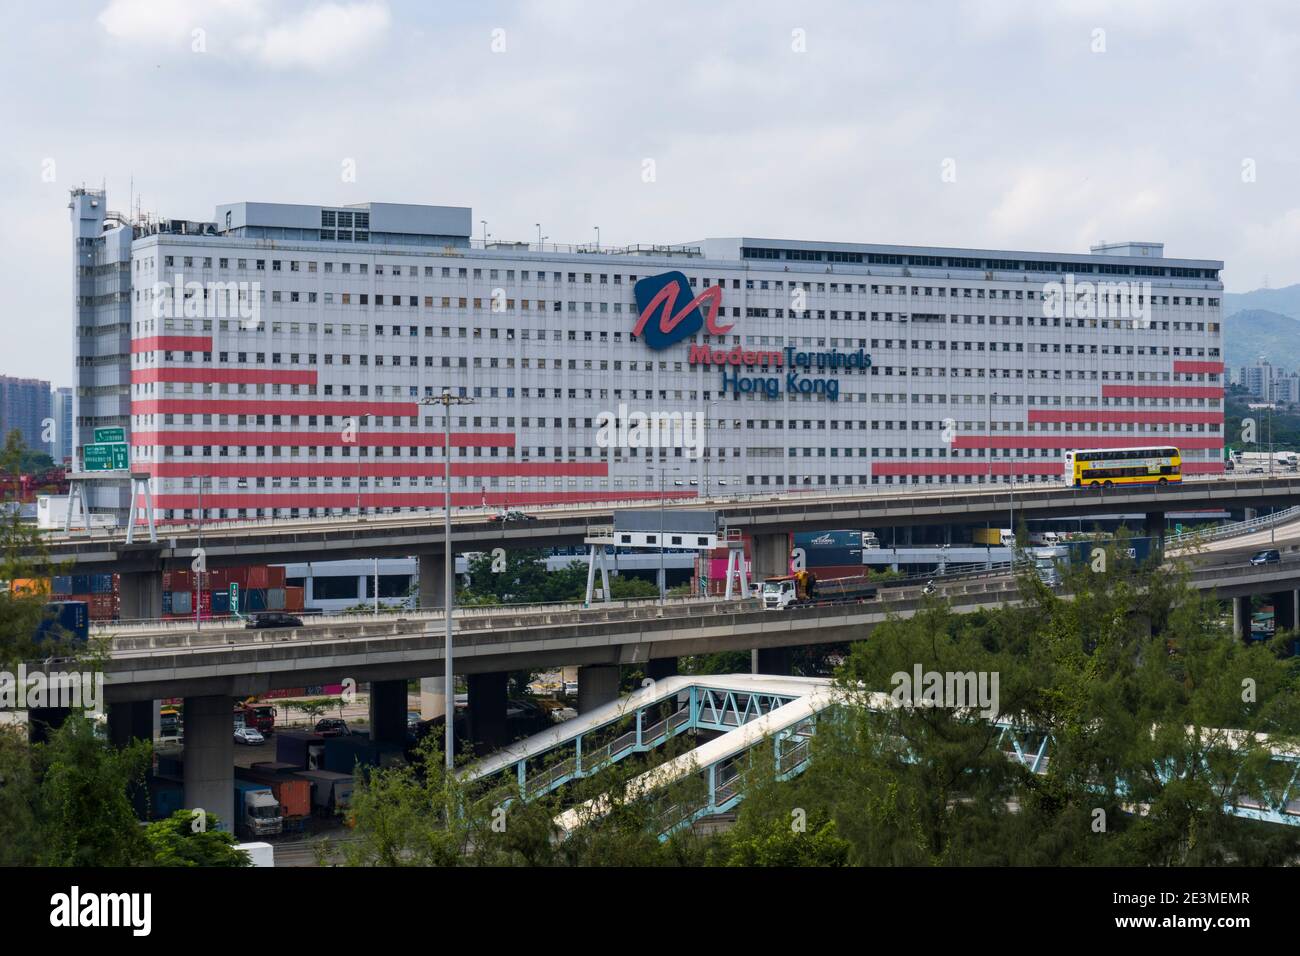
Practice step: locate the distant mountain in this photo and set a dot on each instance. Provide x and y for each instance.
(1285, 301)
(1250, 333)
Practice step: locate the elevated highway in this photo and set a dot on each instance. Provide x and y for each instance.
(420, 533)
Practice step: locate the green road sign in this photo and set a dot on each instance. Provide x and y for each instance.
(108, 457)
(234, 596)
(109, 436)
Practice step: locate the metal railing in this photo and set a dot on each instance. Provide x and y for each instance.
(1234, 529)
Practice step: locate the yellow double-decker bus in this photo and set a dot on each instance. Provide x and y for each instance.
(1156, 465)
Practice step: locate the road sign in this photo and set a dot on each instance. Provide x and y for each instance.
(109, 436)
(234, 596)
(107, 457)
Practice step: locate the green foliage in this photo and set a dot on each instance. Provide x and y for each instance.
(83, 812)
(174, 842)
(526, 580)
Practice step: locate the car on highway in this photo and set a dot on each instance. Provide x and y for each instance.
(272, 619)
(332, 727)
(250, 736)
(1267, 556)
(512, 514)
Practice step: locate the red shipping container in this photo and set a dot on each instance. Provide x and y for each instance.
(237, 576)
(275, 576)
(181, 581)
(294, 599)
(168, 584)
(257, 578)
(219, 578)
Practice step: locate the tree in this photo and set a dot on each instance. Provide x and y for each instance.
(175, 842)
(1133, 677)
(83, 812)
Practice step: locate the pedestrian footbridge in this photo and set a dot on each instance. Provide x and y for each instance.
(745, 711)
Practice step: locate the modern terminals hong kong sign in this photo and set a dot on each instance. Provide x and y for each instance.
(662, 324)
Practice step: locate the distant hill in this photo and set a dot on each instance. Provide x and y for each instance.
(1285, 301)
(1250, 333)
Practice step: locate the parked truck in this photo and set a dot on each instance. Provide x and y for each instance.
(291, 792)
(804, 588)
(257, 812)
(252, 714)
(331, 793)
(994, 537)
(304, 750)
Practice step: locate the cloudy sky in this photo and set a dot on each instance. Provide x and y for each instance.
(1057, 124)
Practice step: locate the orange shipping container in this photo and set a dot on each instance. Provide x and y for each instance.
(294, 599)
(30, 587)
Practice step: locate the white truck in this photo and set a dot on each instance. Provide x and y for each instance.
(257, 812)
(1044, 539)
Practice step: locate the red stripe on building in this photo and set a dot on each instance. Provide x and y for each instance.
(240, 376)
(1192, 368)
(427, 500)
(377, 468)
(951, 467)
(1134, 417)
(172, 343)
(1162, 391)
(1085, 441)
(222, 406)
(279, 439)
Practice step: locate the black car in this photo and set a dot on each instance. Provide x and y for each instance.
(273, 619)
(1267, 556)
(332, 727)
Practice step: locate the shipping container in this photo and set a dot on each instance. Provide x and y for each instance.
(299, 748)
(101, 584)
(219, 579)
(62, 584)
(257, 577)
(220, 603)
(167, 602)
(30, 587)
(182, 602)
(275, 576)
(343, 754)
(166, 796)
(275, 599)
(81, 583)
(64, 621)
(330, 792)
(254, 599)
(295, 599)
(291, 791)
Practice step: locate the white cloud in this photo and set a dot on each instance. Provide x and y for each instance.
(316, 37)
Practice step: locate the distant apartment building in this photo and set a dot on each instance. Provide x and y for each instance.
(1268, 383)
(25, 403)
(62, 413)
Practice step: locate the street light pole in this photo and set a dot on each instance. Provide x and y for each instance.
(203, 563)
(446, 400)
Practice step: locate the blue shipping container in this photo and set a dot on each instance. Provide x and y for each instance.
(64, 620)
(101, 584)
(81, 584)
(62, 584)
(220, 602)
(830, 548)
(167, 602)
(254, 599)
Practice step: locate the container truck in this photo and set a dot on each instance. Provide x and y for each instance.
(994, 537)
(257, 812)
(804, 589)
(253, 714)
(291, 792)
(331, 793)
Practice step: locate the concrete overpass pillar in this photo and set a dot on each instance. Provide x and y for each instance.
(1286, 610)
(487, 711)
(433, 699)
(771, 555)
(1241, 618)
(657, 668)
(1155, 528)
(210, 757)
(131, 721)
(776, 661)
(433, 580)
(140, 595)
(597, 684)
(388, 711)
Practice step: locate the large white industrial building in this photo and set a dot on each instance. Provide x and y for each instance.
(278, 355)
